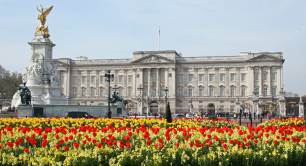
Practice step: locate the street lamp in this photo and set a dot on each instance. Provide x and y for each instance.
(108, 78)
(140, 99)
(166, 96)
(148, 105)
(239, 109)
(191, 106)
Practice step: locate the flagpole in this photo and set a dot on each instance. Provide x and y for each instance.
(158, 40)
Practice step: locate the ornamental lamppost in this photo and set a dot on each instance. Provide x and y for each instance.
(140, 100)
(108, 78)
(166, 96)
(238, 109)
(191, 106)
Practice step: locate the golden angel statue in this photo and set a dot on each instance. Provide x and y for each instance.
(42, 29)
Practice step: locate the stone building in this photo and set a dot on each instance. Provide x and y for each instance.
(194, 84)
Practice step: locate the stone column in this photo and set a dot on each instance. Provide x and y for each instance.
(227, 85)
(166, 77)
(68, 83)
(206, 81)
(149, 82)
(251, 81)
(269, 82)
(216, 81)
(196, 82)
(157, 83)
(134, 87)
(97, 83)
(159, 89)
(260, 81)
(173, 93)
(125, 83)
(88, 84)
(281, 78)
(301, 108)
(238, 78)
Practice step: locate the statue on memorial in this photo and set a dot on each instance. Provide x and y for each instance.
(42, 29)
(25, 94)
(35, 70)
(116, 98)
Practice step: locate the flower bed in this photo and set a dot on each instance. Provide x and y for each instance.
(285, 122)
(148, 142)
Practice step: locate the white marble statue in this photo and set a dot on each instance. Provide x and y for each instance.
(33, 74)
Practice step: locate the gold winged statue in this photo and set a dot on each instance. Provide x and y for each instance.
(42, 29)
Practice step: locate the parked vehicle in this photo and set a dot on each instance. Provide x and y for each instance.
(79, 115)
(178, 116)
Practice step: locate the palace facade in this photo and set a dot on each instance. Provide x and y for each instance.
(194, 84)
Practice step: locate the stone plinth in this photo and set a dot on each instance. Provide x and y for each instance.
(24, 111)
(62, 110)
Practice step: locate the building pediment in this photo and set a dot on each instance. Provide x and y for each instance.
(152, 59)
(264, 58)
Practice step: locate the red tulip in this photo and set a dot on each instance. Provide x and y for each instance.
(26, 150)
(76, 145)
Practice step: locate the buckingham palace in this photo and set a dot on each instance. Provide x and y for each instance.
(193, 84)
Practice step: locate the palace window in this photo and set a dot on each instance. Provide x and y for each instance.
(92, 91)
(256, 75)
(222, 77)
(74, 91)
(221, 91)
(120, 79)
(232, 91)
(232, 77)
(84, 80)
(93, 80)
(243, 77)
(101, 91)
(256, 90)
(243, 91)
(180, 91)
(83, 91)
(180, 78)
(211, 77)
(185, 91)
(190, 77)
(265, 76)
(130, 79)
(185, 78)
(273, 91)
(129, 91)
(274, 76)
(190, 90)
(201, 77)
(201, 91)
(101, 79)
(265, 90)
(211, 91)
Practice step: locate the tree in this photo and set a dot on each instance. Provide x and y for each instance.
(168, 113)
(9, 82)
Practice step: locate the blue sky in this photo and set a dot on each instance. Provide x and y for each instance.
(116, 28)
